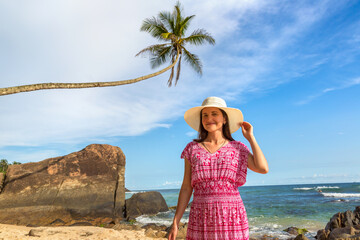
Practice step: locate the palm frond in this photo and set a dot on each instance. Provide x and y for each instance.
(185, 24)
(198, 37)
(154, 26)
(193, 60)
(168, 20)
(151, 50)
(160, 56)
(178, 17)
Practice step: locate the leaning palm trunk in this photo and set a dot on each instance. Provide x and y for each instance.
(41, 86)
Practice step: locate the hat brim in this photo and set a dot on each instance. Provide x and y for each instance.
(192, 117)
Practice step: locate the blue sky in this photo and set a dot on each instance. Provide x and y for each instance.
(292, 67)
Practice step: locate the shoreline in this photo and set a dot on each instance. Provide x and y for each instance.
(119, 231)
(17, 232)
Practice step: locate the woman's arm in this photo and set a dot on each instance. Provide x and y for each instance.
(256, 161)
(184, 197)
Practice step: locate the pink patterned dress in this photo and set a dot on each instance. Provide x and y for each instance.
(217, 211)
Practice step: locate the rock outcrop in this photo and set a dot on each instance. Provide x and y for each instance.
(295, 230)
(85, 186)
(344, 225)
(145, 203)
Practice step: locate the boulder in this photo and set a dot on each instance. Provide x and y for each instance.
(295, 230)
(145, 203)
(340, 233)
(301, 237)
(84, 186)
(342, 226)
(292, 230)
(347, 220)
(335, 222)
(322, 234)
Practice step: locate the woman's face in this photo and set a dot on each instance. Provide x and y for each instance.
(212, 119)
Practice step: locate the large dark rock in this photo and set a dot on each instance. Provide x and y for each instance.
(83, 186)
(345, 232)
(145, 203)
(322, 234)
(347, 220)
(301, 237)
(335, 222)
(342, 226)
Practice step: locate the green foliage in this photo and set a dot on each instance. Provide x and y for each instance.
(132, 221)
(101, 225)
(170, 27)
(16, 163)
(302, 230)
(3, 165)
(295, 229)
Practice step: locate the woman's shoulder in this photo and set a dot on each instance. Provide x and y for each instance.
(191, 144)
(189, 150)
(239, 145)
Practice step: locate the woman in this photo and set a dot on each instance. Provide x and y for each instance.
(215, 166)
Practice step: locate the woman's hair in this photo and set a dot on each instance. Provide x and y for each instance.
(225, 130)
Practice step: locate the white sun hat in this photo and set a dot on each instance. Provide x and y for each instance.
(192, 116)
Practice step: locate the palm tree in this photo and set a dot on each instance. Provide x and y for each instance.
(171, 28)
(167, 27)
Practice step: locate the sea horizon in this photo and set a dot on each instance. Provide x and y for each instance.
(264, 185)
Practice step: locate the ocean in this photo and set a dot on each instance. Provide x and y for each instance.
(271, 209)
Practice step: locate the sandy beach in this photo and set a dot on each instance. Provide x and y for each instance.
(14, 232)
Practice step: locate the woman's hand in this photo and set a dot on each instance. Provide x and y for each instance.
(173, 232)
(247, 130)
(256, 161)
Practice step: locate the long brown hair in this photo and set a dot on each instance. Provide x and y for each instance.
(225, 130)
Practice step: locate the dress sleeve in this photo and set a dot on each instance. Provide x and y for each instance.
(187, 152)
(242, 166)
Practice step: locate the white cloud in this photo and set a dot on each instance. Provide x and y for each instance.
(346, 84)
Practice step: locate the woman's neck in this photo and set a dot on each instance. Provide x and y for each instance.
(216, 137)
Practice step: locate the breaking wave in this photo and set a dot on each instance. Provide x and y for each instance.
(303, 189)
(342, 195)
(315, 188)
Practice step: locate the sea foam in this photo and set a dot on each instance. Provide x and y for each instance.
(327, 187)
(315, 188)
(342, 195)
(303, 189)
